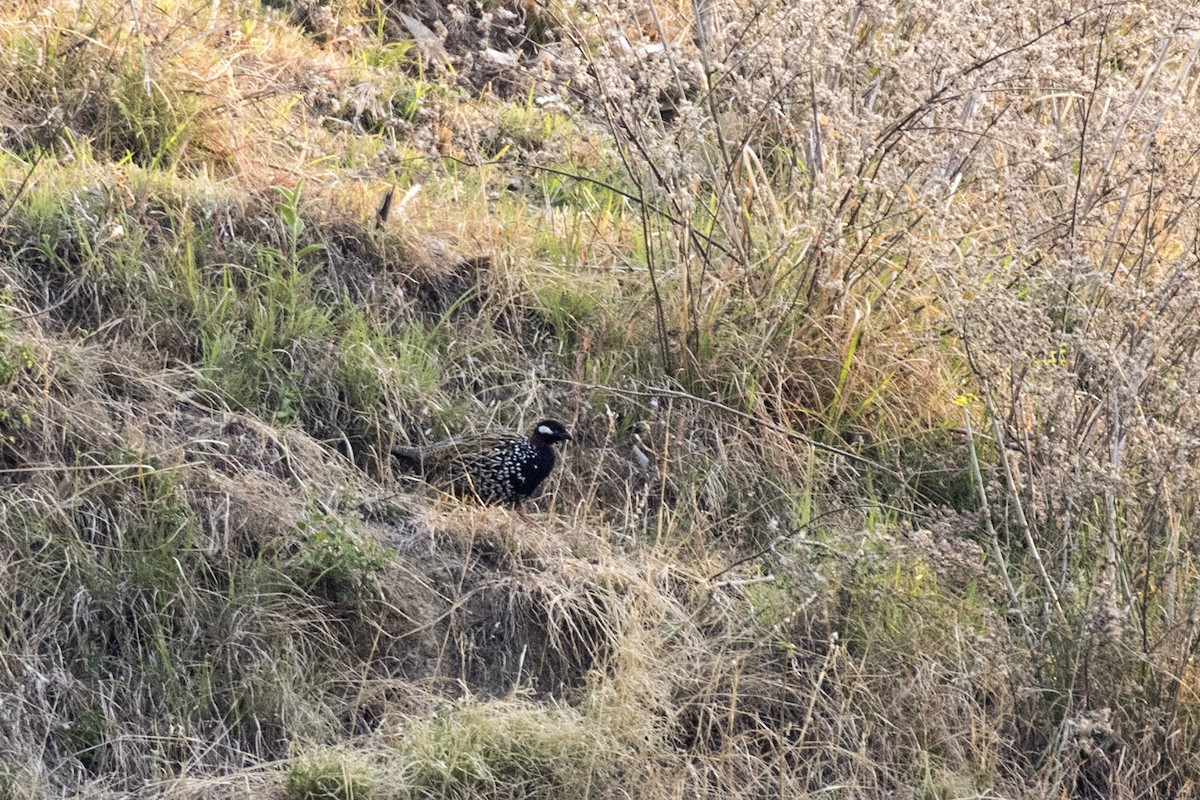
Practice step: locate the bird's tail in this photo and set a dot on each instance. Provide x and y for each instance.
(410, 459)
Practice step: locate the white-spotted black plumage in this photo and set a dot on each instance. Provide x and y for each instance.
(494, 468)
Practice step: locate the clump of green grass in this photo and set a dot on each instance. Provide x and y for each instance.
(331, 775)
(390, 88)
(506, 749)
(524, 129)
(576, 310)
(131, 101)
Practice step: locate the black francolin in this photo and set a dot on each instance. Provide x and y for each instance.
(493, 468)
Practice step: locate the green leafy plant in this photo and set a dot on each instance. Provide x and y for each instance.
(335, 563)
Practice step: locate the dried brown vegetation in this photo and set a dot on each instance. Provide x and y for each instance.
(876, 327)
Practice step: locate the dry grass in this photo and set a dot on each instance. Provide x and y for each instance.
(781, 268)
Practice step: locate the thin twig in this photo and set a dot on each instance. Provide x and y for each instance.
(37, 159)
(993, 538)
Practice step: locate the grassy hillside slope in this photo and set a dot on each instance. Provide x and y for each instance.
(876, 327)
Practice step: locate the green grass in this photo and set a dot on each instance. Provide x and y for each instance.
(326, 777)
(506, 750)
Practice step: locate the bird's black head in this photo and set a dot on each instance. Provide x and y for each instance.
(548, 432)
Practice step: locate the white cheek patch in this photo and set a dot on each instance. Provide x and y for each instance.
(544, 430)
